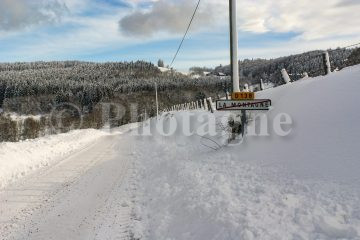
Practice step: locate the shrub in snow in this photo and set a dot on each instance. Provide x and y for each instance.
(161, 63)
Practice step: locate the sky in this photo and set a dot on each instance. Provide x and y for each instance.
(127, 30)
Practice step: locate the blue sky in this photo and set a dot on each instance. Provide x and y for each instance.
(126, 30)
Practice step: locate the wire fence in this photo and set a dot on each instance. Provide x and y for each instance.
(323, 62)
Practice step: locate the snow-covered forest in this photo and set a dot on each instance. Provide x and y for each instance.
(252, 70)
(88, 83)
(37, 88)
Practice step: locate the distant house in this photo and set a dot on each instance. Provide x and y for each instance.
(164, 69)
(216, 74)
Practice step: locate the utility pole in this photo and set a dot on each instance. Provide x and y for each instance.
(234, 57)
(240, 101)
(234, 46)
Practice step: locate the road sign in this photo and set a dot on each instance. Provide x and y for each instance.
(243, 96)
(256, 104)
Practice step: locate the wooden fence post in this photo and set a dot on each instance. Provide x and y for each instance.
(211, 107)
(285, 76)
(262, 87)
(326, 61)
(205, 105)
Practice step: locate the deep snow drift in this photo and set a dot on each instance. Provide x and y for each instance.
(302, 186)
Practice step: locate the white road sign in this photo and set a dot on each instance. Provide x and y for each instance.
(256, 104)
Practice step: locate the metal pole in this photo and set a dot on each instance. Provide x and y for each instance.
(234, 46)
(157, 102)
(234, 58)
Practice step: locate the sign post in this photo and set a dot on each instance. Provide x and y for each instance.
(234, 55)
(240, 101)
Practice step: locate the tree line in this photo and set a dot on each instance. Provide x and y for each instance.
(269, 70)
(87, 83)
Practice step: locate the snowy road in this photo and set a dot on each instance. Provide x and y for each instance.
(85, 196)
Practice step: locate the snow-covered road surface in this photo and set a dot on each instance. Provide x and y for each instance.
(84, 196)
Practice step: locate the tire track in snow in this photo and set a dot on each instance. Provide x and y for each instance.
(81, 197)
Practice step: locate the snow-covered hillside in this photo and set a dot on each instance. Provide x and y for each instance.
(323, 144)
(303, 186)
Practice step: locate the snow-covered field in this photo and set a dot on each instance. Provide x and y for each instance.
(125, 186)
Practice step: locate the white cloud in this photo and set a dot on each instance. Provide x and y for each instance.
(21, 14)
(91, 34)
(321, 24)
(165, 16)
(311, 19)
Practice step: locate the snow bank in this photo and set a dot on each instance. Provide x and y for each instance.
(18, 159)
(324, 142)
(304, 186)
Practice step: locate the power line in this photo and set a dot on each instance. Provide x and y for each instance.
(187, 30)
(353, 45)
(356, 44)
(337, 49)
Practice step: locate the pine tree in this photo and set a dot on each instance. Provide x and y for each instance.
(161, 63)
